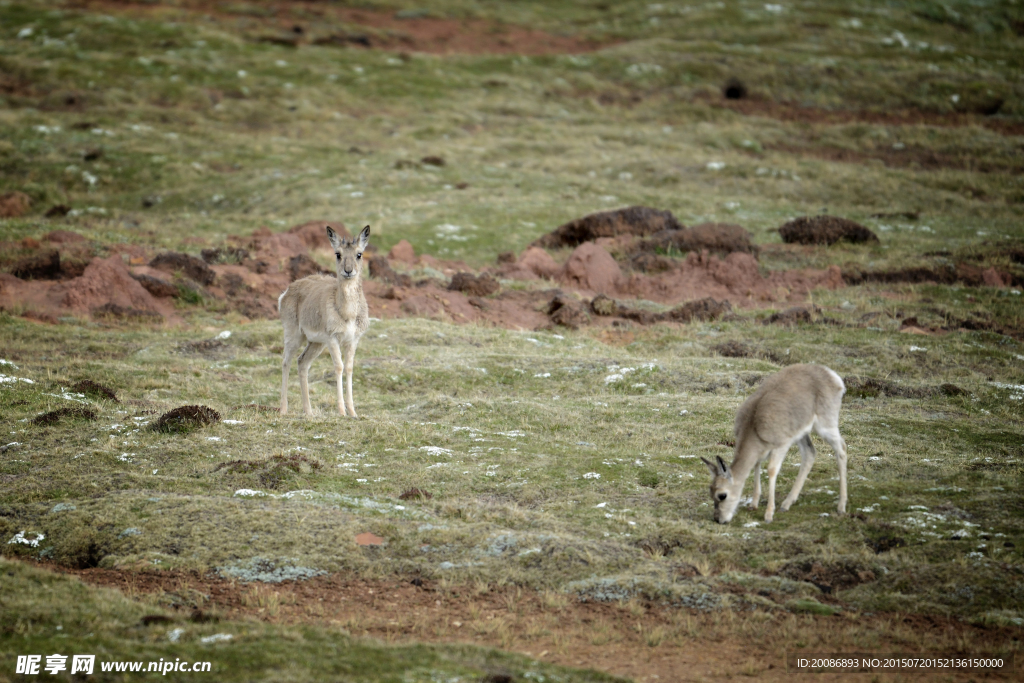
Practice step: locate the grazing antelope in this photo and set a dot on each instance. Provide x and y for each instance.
(326, 312)
(783, 411)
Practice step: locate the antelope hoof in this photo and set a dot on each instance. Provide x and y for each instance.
(768, 518)
(784, 507)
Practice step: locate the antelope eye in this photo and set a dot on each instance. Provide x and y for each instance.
(359, 256)
(722, 496)
(337, 255)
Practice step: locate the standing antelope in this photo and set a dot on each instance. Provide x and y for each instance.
(783, 411)
(329, 312)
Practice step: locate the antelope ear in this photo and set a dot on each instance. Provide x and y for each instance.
(711, 467)
(364, 238)
(724, 471)
(333, 237)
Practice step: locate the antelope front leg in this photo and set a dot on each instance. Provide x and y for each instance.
(775, 459)
(350, 360)
(339, 366)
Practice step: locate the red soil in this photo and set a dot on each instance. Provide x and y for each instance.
(267, 262)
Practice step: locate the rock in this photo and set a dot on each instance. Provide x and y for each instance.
(469, 284)
(403, 252)
(14, 204)
(824, 230)
(591, 268)
(634, 220)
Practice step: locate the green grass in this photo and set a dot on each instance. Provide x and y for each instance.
(501, 426)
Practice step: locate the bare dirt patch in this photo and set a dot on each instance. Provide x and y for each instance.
(641, 640)
(294, 24)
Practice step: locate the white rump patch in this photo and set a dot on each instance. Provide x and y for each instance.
(837, 378)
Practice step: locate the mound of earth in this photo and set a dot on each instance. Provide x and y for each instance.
(944, 274)
(719, 238)
(314, 233)
(591, 268)
(158, 287)
(634, 220)
(736, 278)
(473, 285)
(186, 418)
(380, 269)
(825, 230)
(95, 390)
(533, 264)
(193, 268)
(73, 413)
(402, 252)
(567, 311)
(107, 281)
(303, 266)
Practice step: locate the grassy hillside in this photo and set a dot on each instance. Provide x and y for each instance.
(558, 462)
